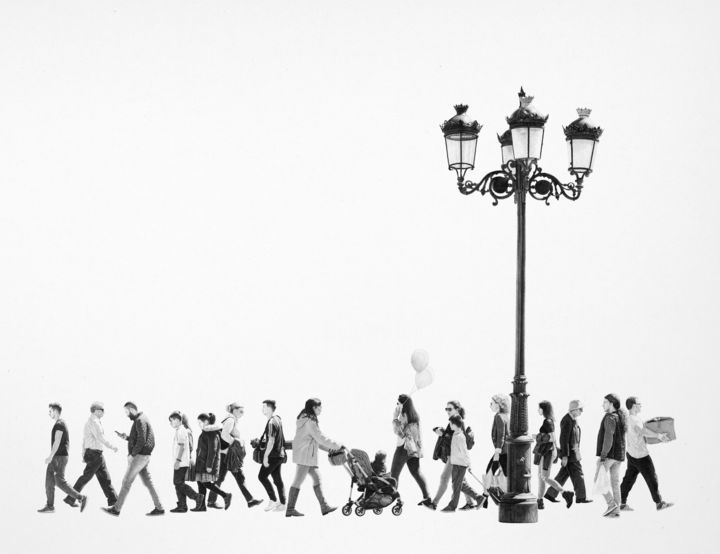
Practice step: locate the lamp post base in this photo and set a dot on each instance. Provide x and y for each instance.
(518, 508)
(519, 505)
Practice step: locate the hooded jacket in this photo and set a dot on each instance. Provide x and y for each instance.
(308, 438)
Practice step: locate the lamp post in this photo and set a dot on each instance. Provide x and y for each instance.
(519, 176)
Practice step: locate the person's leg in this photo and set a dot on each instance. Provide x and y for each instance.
(147, 481)
(469, 492)
(264, 478)
(444, 480)
(647, 468)
(50, 485)
(615, 467)
(400, 457)
(240, 480)
(578, 480)
(502, 479)
(92, 459)
(179, 482)
(414, 467)
(629, 479)
(212, 498)
(542, 475)
(560, 478)
(457, 475)
(134, 467)
(325, 508)
(276, 473)
(300, 474)
(103, 477)
(60, 481)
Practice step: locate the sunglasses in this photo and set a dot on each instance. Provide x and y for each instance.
(448, 409)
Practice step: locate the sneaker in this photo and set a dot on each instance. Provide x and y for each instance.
(427, 502)
(179, 510)
(228, 499)
(254, 502)
(83, 502)
(271, 505)
(468, 506)
(550, 497)
(614, 513)
(156, 512)
(611, 508)
(70, 502)
(663, 505)
(448, 509)
(583, 501)
(214, 505)
(279, 507)
(111, 510)
(568, 496)
(541, 504)
(625, 508)
(46, 510)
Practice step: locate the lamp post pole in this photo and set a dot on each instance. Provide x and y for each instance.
(518, 177)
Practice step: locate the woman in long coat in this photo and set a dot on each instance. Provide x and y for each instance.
(207, 462)
(308, 440)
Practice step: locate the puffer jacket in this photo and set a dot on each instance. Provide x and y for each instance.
(308, 438)
(208, 453)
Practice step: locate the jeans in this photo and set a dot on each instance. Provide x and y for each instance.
(183, 491)
(137, 465)
(95, 467)
(301, 472)
(239, 479)
(55, 477)
(574, 471)
(445, 476)
(400, 458)
(613, 466)
(458, 478)
(273, 469)
(642, 466)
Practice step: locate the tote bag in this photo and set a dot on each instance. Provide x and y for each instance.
(601, 485)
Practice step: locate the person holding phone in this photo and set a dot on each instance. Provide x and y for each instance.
(406, 425)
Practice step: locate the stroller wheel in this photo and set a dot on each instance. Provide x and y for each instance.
(347, 509)
(397, 509)
(377, 511)
(359, 511)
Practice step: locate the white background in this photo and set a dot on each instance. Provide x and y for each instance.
(214, 201)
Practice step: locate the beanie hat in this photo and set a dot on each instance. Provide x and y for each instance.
(614, 400)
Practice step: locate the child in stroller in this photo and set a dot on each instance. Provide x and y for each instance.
(378, 489)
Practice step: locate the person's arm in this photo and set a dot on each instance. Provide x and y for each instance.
(498, 436)
(610, 426)
(55, 446)
(269, 445)
(212, 453)
(99, 436)
(565, 433)
(141, 437)
(648, 433)
(324, 442)
(227, 428)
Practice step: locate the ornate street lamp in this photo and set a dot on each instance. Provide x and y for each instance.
(520, 175)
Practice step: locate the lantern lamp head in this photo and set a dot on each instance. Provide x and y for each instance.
(527, 126)
(461, 132)
(582, 137)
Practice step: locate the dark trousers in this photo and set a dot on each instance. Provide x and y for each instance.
(239, 478)
(95, 467)
(400, 458)
(458, 485)
(642, 466)
(213, 488)
(574, 471)
(182, 489)
(273, 470)
(55, 477)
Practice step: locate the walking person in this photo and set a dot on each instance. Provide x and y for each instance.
(308, 439)
(459, 460)
(570, 457)
(141, 443)
(546, 454)
(495, 482)
(57, 461)
(182, 455)
(94, 442)
(230, 439)
(442, 452)
(611, 450)
(207, 463)
(406, 425)
(638, 457)
(274, 456)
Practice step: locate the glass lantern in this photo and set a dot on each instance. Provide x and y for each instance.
(527, 128)
(461, 133)
(582, 137)
(506, 147)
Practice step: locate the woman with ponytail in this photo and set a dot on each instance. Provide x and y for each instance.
(207, 464)
(182, 450)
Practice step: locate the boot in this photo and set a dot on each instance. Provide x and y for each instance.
(199, 504)
(290, 511)
(541, 504)
(324, 508)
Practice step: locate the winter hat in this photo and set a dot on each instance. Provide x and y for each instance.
(614, 399)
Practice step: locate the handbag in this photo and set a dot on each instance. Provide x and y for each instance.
(601, 484)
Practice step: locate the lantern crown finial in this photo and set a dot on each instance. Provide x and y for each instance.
(584, 112)
(460, 108)
(461, 122)
(583, 127)
(527, 113)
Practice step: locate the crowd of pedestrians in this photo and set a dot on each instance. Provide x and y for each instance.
(220, 449)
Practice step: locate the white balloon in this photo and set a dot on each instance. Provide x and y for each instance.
(420, 360)
(423, 378)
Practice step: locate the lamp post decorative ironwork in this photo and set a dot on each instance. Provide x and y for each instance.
(519, 176)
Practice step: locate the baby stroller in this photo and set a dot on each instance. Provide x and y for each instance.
(378, 492)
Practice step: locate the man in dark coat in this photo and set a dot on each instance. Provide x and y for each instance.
(570, 455)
